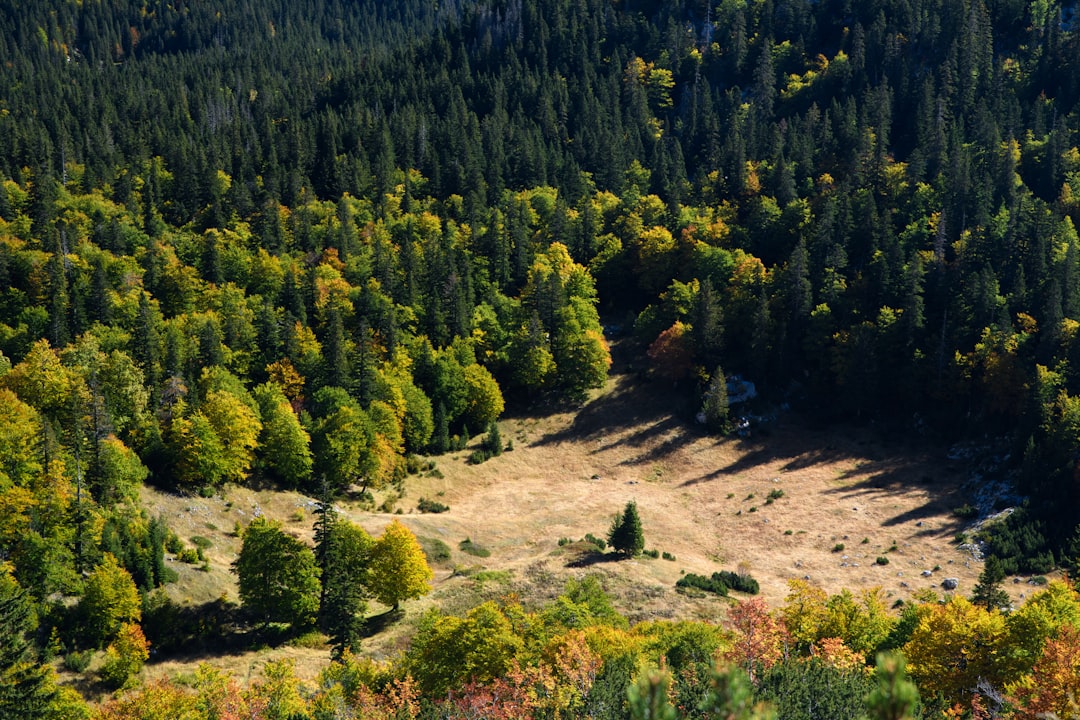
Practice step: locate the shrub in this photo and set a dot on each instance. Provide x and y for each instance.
(654, 554)
(202, 543)
(435, 550)
(700, 582)
(78, 660)
(468, 547)
(720, 583)
(564, 541)
(431, 506)
(882, 560)
(965, 511)
(173, 543)
(838, 547)
(667, 556)
(600, 543)
(478, 456)
(188, 555)
(774, 495)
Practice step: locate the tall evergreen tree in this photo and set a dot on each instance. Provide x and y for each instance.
(626, 536)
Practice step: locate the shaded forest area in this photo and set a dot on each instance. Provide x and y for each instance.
(302, 243)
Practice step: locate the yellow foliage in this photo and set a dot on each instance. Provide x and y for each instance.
(955, 645)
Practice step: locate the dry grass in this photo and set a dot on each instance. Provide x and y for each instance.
(570, 472)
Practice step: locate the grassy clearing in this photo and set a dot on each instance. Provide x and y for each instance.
(572, 471)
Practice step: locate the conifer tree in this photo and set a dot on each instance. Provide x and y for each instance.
(25, 690)
(626, 535)
(988, 591)
(715, 405)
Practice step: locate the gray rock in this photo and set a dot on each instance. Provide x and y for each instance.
(950, 583)
(927, 573)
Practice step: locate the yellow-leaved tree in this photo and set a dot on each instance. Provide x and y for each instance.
(398, 570)
(956, 645)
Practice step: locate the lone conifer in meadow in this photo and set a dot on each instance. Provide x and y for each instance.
(626, 535)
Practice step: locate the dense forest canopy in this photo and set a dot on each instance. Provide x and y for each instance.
(304, 241)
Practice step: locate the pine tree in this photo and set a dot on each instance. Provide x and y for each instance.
(626, 535)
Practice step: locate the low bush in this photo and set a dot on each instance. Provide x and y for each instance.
(882, 560)
(78, 660)
(838, 547)
(720, 583)
(654, 554)
(478, 456)
(468, 547)
(435, 550)
(965, 511)
(667, 556)
(431, 506)
(600, 543)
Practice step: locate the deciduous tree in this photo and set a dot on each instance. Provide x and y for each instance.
(277, 575)
(398, 570)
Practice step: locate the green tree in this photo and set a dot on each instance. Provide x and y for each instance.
(398, 569)
(626, 536)
(26, 689)
(110, 601)
(284, 444)
(342, 440)
(344, 551)
(119, 473)
(988, 591)
(648, 698)
(895, 697)
(277, 575)
(715, 403)
(125, 656)
(483, 399)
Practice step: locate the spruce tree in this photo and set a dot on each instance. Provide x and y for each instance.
(715, 403)
(988, 592)
(25, 689)
(626, 535)
(493, 441)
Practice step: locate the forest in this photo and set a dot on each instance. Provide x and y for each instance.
(311, 245)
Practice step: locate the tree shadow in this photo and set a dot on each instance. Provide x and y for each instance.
(216, 627)
(380, 622)
(588, 559)
(634, 413)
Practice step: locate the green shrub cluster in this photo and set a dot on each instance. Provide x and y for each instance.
(720, 583)
(431, 506)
